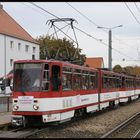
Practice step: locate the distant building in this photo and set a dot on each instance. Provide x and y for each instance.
(15, 43)
(94, 62)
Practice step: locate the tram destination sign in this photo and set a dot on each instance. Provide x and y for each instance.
(25, 99)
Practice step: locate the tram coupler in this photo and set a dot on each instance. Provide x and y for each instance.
(18, 120)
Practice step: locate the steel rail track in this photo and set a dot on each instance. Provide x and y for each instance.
(23, 132)
(122, 126)
(36, 133)
(15, 133)
(137, 134)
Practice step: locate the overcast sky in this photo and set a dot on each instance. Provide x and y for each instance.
(125, 40)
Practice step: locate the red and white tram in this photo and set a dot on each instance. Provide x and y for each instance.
(55, 91)
(129, 91)
(137, 86)
(109, 89)
(61, 91)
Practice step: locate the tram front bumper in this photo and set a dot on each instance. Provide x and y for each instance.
(17, 120)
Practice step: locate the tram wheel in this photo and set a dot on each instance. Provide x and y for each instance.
(129, 99)
(112, 105)
(80, 112)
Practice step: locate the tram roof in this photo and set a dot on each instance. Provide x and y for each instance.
(56, 61)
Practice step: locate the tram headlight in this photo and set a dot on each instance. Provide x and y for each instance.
(15, 107)
(35, 107)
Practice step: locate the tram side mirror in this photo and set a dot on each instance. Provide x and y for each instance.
(11, 88)
(11, 84)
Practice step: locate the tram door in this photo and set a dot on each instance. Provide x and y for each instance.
(56, 80)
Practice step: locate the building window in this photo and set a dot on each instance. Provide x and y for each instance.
(11, 62)
(11, 44)
(26, 48)
(33, 57)
(34, 49)
(19, 46)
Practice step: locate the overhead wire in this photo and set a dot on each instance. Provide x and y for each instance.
(85, 16)
(33, 8)
(122, 53)
(74, 26)
(67, 23)
(94, 24)
(132, 13)
(137, 6)
(78, 29)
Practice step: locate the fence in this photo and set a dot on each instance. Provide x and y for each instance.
(5, 104)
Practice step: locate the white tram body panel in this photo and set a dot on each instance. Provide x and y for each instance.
(65, 105)
(106, 97)
(52, 104)
(123, 97)
(137, 93)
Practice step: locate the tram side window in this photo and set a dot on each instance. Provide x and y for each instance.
(115, 79)
(106, 81)
(132, 83)
(128, 83)
(109, 81)
(115, 82)
(56, 82)
(77, 80)
(67, 79)
(46, 80)
(123, 82)
(85, 80)
(138, 84)
(119, 83)
(92, 81)
(96, 80)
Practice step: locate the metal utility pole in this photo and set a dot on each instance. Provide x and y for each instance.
(110, 45)
(110, 51)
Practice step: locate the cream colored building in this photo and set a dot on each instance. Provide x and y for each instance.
(15, 43)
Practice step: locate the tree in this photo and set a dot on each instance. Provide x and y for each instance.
(127, 70)
(61, 49)
(118, 69)
(136, 70)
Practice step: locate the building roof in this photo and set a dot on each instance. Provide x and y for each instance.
(95, 62)
(10, 27)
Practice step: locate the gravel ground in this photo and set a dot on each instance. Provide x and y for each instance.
(94, 125)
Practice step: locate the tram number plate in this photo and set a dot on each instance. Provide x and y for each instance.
(25, 99)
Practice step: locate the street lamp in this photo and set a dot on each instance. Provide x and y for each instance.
(110, 44)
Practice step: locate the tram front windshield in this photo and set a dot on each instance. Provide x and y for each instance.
(27, 77)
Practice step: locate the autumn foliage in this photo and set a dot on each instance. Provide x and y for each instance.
(128, 70)
(60, 49)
